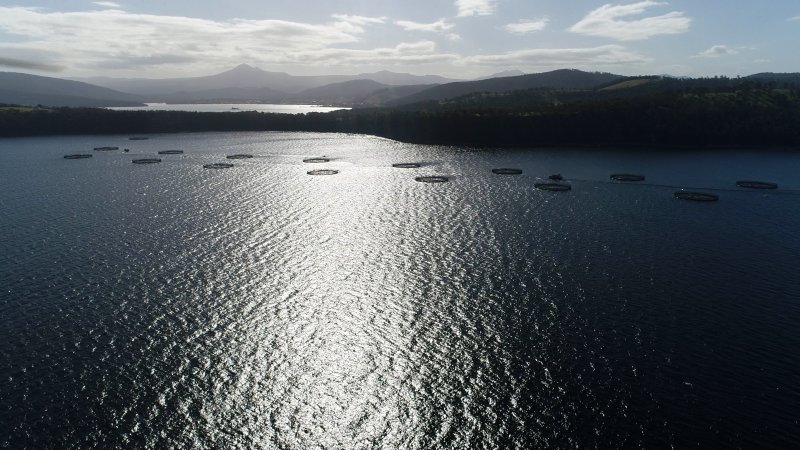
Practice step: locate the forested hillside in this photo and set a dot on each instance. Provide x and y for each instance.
(746, 114)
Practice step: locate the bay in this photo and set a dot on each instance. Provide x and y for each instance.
(230, 107)
(168, 305)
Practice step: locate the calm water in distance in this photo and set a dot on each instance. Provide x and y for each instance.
(229, 107)
(170, 306)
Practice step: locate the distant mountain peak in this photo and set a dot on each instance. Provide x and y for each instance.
(245, 68)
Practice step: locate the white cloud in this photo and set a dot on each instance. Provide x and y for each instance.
(108, 4)
(406, 53)
(118, 43)
(614, 21)
(440, 26)
(476, 7)
(527, 26)
(717, 51)
(121, 41)
(359, 20)
(795, 19)
(552, 58)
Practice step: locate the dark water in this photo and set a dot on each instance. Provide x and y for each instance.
(168, 306)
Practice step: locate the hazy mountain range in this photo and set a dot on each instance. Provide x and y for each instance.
(246, 84)
(24, 89)
(248, 77)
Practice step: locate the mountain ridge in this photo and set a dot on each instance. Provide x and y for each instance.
(556, 79)
(246, 76)
(27, 89)
(246, 84)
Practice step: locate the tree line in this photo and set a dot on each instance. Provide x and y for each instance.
(746, 115)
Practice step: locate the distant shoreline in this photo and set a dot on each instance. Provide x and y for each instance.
(615, 124)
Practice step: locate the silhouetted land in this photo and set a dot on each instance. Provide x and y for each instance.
(683, 114)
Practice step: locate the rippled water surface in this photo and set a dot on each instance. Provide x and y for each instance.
(171, 306)
(229, 107)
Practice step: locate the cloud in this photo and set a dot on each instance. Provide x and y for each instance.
(359, 20)
(30, 65)
(468, 8)
(113, 38)
(614, 21)
(123, 61)
(119, 43)
(527, 26)
(108, 4)
(406, 53)
(440, 26)
(795, 19)
(717, 51)
(550, 58)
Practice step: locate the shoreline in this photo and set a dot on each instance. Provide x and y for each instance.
(592, 129)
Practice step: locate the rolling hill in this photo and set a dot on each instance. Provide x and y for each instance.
(339, 93)
(557, 79)
(245, 76)
(25, 89)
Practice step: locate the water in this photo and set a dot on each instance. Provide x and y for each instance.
(168, 306)
(229, 107)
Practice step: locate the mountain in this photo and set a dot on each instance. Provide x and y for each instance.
(245, 76)
(383, 96)
(339, 93)
(503, 74)
(557, 79)
(248, 84)
(619, 90)
(25, 89)
(403, 79)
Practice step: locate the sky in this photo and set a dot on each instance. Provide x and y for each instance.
(453, 38)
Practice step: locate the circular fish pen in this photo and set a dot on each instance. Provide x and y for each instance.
(316, 160)
(146, 161)
(323, 172)
(170, 152)
(407, 165)
(432, 179)
(696, 196)
(239, 156)
(757, 184)
(105, 149)
(217, 166)
(505, 171)
(627, 177)
(555, 187)
(77, 156)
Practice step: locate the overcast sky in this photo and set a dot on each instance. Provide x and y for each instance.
(456, 38)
